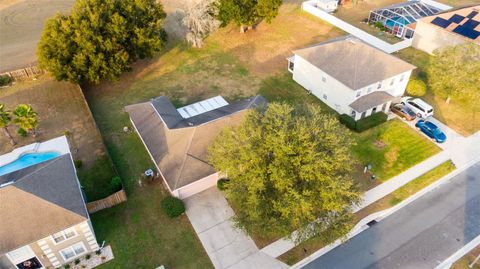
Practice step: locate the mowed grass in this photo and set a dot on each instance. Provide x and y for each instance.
(392, 148)
(468, 259)
(459, 116)
(310, 246)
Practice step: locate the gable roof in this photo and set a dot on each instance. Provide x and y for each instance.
(179, 146)
(43, 199)
(352, 62)
(371, 100)
(463, 22)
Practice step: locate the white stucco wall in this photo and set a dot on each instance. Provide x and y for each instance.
(428, 38)
(338, 95)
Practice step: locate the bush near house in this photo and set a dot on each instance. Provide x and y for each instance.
(365, 123)
(222, 184)
(416, 87)
(172, 206)
(5, 80)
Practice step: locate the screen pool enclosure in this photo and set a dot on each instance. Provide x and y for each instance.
(397, 18)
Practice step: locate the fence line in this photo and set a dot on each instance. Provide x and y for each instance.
(309, 6)
(112, 200)
(24, 73)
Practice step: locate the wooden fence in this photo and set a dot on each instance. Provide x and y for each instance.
(112, 200)
(24, 73)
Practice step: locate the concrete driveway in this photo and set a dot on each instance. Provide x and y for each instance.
(226, 246)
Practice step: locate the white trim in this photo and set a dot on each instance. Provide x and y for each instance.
(73, 250)
(64, 235)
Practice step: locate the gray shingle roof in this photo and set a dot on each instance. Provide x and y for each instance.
(352, 62)
(44, 199)
(371, 100)
(179, 146)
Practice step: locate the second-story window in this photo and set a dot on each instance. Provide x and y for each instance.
(379, 85)
(359, 93)
(63, 235)
(369, 90)
(324, 79)
(393, 81)
(402, 77)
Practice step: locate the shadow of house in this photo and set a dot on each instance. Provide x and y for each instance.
(178, 139)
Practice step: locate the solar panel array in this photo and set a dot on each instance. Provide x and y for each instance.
(466, 29)
(202, 107)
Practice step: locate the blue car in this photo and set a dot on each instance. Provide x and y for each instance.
(431, 130)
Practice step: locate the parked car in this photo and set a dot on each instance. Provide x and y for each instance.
(403, 111)
(417, 105)
(431, 130)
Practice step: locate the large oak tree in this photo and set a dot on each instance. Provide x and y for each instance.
(101, 38)
(289, 168)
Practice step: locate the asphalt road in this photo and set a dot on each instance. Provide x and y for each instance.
(420, 235)
(21, 25)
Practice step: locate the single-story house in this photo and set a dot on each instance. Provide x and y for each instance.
(177, 139)
(350, 76)
(448, 29)
(327, 5)
(44, 222)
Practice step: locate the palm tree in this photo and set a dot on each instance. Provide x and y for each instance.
(26, 118)
(5, 120)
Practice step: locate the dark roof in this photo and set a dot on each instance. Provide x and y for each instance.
(371, 100)
(172, 118)
(43, 199)
(178, 148)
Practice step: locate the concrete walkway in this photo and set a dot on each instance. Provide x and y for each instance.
(459, 149)
(226, 246)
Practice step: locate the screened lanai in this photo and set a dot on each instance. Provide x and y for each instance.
(397, 18)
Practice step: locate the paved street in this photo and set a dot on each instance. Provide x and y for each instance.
(420, 235)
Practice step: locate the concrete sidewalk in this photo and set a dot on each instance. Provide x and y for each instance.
(226, 246)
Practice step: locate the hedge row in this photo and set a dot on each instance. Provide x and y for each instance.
(365, 123)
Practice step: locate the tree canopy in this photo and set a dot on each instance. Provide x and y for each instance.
(454, 72)
(289, 168)
(100, 39)
(247, 12)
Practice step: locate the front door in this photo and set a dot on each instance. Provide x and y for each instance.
(24, 258)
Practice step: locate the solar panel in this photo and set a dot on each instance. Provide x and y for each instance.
(441, 22)
(466, 32)
(456, 18)
(202, 107)
(471, 24)
(472, 14)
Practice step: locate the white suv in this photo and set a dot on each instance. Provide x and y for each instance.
(418, 106)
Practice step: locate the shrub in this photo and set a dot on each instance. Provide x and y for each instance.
(379, 25)
(5, 80)
(365, 123)
(172, 206)
(222, 183)
(78, 164)
(88, 256)
(66, 266)
(348, 121)
(77, 261)
(416, 87)
(21, 132)
(116, 184)
(98, 252)
(371, 121)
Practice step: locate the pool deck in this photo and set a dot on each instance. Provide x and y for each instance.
(59, 144)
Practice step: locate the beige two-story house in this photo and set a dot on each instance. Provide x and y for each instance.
(44, 222)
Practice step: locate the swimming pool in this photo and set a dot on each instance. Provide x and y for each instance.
(26, 160)
(399, 21)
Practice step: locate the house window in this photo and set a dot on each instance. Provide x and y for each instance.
(325, 96)
(374, 110)
(379, 85)
(393, 81)
(291, 65)
(324, 79)
(369, 90)
(402, 77)
(353, 114)
(359, 93)
(63, 235)
(73, 251)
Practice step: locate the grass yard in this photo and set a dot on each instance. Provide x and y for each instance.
(310, 246)
(466, 260)
(458, 116)
(392, 148)
(459, 3)
(62, 110)
(355, 14)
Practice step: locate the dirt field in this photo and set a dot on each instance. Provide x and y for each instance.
(61, 108)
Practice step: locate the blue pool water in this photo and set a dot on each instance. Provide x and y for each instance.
(26, 160)
(391, 22)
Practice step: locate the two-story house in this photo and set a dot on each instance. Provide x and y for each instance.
(44, 222)
(350, 76)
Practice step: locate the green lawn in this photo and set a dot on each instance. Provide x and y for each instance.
(459, 116)
(392, 148)
(308, 247)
